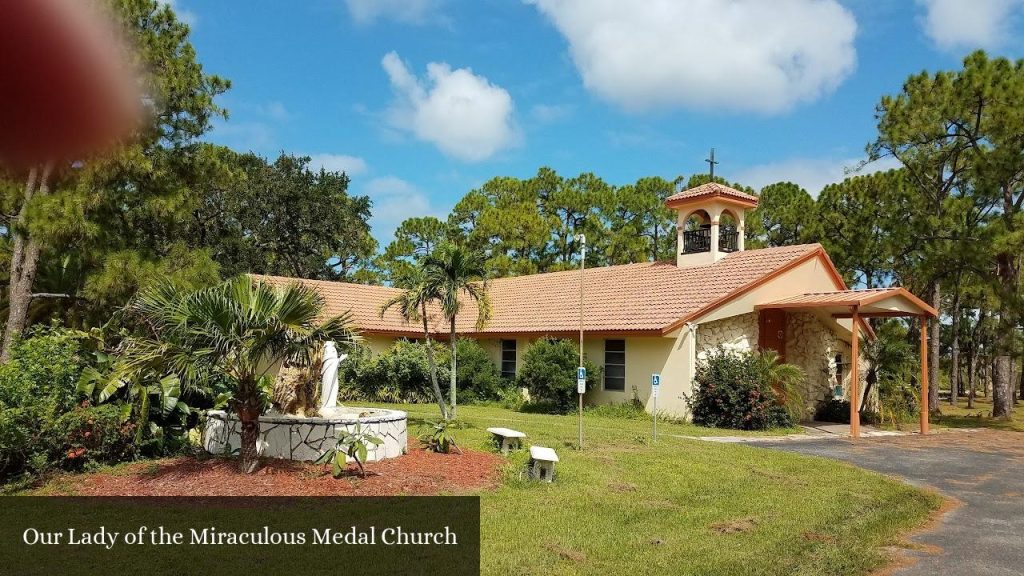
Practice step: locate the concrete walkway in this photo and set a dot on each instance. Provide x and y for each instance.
(812, 431)
(983, 470)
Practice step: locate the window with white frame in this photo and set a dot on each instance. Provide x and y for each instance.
(508, 359)
(615, 365)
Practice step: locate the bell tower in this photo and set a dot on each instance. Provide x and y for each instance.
(710, 222)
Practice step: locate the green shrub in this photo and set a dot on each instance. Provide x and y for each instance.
(626, 410)
(91, 434)
(399, 374)
(41, 424)
(898, 400)
(734, 390)
(837, 410)
(511, 398)
(549, 373)
(833, 410)
(478, 378)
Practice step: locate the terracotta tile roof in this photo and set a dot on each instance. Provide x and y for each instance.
(867, 299)
(643, 297)
(362, 300)
(710, 190)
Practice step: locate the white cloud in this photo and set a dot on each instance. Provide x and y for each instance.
(812, 174)
(749, 55)
(547, 113)
(394, 200)
(405, 11)
(463, 114)
(967, 24)
(351, 165)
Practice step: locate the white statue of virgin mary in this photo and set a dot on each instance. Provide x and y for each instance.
(329, 377)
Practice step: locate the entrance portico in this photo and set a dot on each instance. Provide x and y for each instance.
(855, 306)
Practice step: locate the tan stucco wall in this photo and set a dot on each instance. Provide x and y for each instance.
(378, 344)
(811, 276)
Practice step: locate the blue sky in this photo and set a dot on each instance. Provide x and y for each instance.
(422, 100)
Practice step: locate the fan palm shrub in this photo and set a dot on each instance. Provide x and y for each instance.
(237, 331)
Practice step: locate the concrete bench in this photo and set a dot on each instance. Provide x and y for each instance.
(542, 463)
(507, 439)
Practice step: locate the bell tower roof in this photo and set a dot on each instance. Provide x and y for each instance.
(711, 191)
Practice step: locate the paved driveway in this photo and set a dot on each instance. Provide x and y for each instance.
(984, 470)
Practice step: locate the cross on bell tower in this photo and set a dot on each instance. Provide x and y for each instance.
(711, 162)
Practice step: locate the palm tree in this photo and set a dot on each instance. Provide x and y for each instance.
(451, 271)
(785, 380)
(237, 331)
(412, 305)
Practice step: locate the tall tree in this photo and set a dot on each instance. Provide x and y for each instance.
(415, 238)
(280, 218)
(87, 206)
(413, 304)
(786, 214)
(454, 273)
(864, 223)
(926, 127)
(995, 88)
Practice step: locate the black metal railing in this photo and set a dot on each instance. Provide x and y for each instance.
(699, 240)
(695, 241)
(728, 240)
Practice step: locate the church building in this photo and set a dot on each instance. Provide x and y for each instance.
(663, 317)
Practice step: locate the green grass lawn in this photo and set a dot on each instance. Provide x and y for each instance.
(627, 506)
(980, 416)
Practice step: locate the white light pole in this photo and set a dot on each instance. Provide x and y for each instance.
(583, 263)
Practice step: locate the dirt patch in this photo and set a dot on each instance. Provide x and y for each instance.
(417, 473)
(566, 554)
(818, 537)
(734, 526)
(622, 487)
(900, 558)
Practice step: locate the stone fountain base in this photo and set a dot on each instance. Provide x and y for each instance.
(302, 438)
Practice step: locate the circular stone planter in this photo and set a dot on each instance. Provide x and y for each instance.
(307, 438)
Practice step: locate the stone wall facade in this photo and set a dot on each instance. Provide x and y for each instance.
(737, 333)
(813, 347)
(306, 439)
(810, 344)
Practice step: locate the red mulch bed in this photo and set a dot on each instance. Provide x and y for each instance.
(417, 473)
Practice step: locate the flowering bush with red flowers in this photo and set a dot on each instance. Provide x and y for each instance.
(732, 390)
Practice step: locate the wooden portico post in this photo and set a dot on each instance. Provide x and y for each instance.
(854, 377)
(924, 374)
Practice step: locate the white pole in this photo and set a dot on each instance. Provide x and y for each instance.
(583, 262)
(655, 425)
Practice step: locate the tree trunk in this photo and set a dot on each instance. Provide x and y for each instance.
(250, 443)
(451, 402)
(971, 369)
(933, 352)
(990, 363)
(24, 261)
(954, 364)
(1002, 387)
(433, 365)
(248, 411)
(1021, 383)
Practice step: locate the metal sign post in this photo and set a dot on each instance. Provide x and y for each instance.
(655, 384)
(581, 387)
(581, 374)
